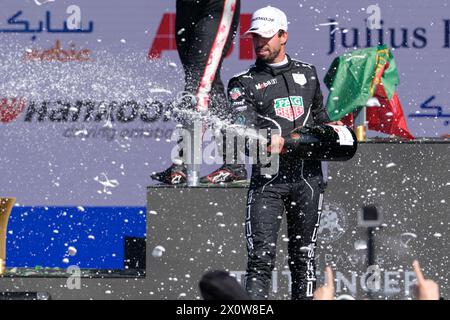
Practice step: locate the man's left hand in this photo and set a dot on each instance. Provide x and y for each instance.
(277, 144)
(335, 123)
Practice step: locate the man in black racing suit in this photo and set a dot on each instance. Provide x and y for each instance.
(280, 93)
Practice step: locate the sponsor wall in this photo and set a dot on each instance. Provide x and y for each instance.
(80, 122)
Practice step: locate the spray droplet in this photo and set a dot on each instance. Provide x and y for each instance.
(390, 165)
(72, 251)
(158, 251)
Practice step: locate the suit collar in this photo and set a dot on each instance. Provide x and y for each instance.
(274, 70)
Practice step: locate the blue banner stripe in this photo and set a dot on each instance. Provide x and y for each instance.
(41, 236)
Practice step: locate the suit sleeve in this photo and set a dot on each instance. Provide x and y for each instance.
(319, 111)
(242, 104)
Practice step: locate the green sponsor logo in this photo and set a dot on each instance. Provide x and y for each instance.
(294, 101)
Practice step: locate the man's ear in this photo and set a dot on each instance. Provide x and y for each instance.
(284, 38)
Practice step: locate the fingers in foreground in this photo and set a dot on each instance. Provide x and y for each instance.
(418, 272)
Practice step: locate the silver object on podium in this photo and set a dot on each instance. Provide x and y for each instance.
(6, 205)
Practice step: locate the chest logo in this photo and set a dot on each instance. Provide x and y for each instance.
(289, 108)
(235, 93)
(299, 78)
(265, 84)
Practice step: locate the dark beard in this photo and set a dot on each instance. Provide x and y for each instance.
(271, 57)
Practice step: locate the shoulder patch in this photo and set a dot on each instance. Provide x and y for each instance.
(303, 64)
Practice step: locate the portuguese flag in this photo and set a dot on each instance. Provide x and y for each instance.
(354, 78)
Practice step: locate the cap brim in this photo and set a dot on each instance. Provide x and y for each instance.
(263, 33)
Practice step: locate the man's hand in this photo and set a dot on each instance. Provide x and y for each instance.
(335, 123)
(425, 289)
(276, 145)
(326, 292)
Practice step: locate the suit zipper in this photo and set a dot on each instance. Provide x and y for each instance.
(289, 97)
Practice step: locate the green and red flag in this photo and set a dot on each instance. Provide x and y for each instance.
(354, 78)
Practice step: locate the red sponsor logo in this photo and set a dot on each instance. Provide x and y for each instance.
(57, 53)
(10, 109)
(290, 114)
(165, 39)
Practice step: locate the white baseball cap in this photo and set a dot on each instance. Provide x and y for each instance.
(268, 21)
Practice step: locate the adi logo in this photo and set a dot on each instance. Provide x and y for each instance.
(289, 108)
(10, 109)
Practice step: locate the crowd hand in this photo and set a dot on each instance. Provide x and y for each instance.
(425, 289)
(326, 292)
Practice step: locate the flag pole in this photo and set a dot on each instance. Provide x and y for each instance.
(360, 124)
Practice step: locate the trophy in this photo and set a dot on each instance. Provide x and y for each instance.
(6, 205)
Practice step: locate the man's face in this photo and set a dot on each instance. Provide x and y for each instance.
(269, 49)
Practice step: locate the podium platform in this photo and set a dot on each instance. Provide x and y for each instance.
(192, 230)
(202, 228)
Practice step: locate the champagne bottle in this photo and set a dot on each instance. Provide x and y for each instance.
(324, 142)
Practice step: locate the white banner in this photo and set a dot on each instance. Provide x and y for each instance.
(79, 118)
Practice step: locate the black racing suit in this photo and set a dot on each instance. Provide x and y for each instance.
(285, 97)
(204, 33)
